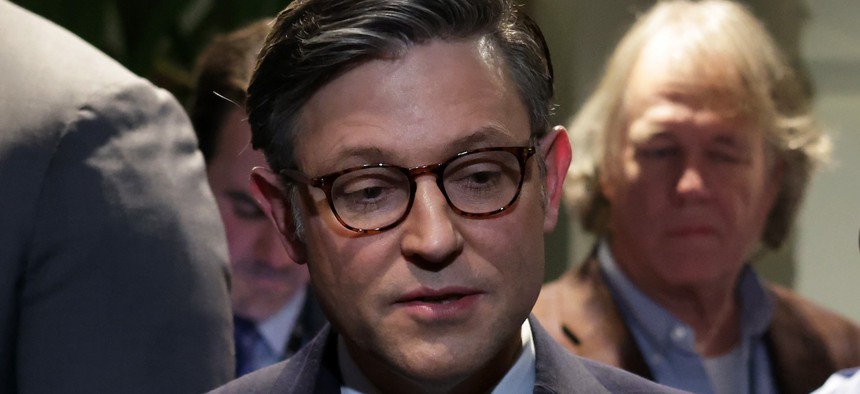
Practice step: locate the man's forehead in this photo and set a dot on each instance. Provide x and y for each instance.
(479, 138)
(671, 122)
(439, 95)
(667, 70)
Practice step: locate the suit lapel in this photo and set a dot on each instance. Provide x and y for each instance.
(311, 320)
(314, 369)
(798, 356)
(587, 322)
(556, 371)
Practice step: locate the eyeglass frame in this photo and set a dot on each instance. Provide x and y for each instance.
(326, 182)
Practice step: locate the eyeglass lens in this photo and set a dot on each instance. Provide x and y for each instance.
(476, 183)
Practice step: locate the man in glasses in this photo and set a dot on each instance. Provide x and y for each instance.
(414, 171)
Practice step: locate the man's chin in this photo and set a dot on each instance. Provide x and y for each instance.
(259, 304)
(256, 310)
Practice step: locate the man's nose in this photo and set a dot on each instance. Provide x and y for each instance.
(430, 236)
(691, 182)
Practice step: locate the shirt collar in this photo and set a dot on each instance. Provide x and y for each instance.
(519, 379)
(277, 328)
(756, 304)
(662, 328)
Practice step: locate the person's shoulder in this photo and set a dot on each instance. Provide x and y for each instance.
(559, 371)
(794, 316)
(578, 307)
(299, 374)
(257, 382)
(52, 62)
(617, 380)
(790, 305)
(55, 80)
(579, 282)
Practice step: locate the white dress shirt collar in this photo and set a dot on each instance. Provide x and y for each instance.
(519, 379)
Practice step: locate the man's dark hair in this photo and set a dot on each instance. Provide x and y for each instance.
(314, 41)
(223, 72)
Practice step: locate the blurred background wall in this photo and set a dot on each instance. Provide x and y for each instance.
(160, 39)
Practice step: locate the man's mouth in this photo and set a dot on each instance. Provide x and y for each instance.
(442, 296)
(449, 304)
(441, 299)
(692, 231)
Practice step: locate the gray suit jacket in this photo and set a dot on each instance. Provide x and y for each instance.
(315, 370)
(113, 265)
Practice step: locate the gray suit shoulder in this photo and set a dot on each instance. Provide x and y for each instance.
(113, 256)
(49, 75)
(47, 59)
(617, 380)
(261, 381)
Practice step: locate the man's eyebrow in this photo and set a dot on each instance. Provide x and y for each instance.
(481, 136)
(727, 140)
(736, 143)
(651, 132)
(661, 135)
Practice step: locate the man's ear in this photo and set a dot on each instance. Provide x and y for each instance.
(275, 201)
(774, 182)
(607, 187)
(555, 148)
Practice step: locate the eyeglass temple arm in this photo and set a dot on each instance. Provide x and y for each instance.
(295, 176)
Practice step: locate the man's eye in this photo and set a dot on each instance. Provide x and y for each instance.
(369, 192)
(365, 194)
(726, 157)
(485, 179)
(247, 210)
(667, 152)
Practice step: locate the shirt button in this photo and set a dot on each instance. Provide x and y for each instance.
(679, 334)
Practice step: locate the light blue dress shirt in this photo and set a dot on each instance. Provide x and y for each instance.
(668, 345)
(275, 332)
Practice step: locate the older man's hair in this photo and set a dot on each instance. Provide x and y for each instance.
(315, 41)
(223, 72)
(762, 84)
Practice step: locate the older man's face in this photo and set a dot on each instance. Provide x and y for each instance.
(692, 187)
(440, 298)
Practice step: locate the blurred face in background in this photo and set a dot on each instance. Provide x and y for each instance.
(692, 184)
(264, 276)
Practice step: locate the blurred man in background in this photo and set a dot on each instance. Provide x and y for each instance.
(274, 313)
(693, 153)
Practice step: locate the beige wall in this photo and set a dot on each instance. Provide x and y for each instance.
(828, 269)
(822, 262)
